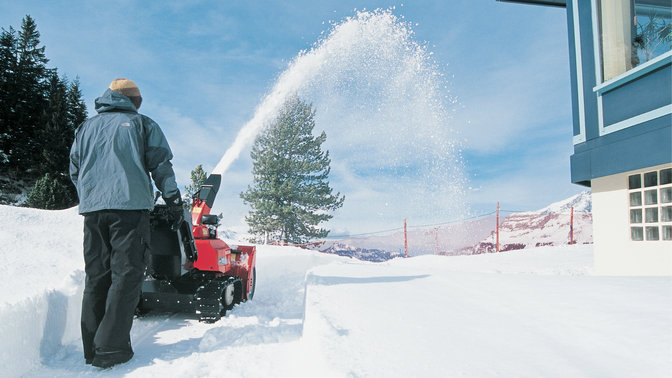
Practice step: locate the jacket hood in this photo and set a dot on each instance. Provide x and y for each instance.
(113, 101)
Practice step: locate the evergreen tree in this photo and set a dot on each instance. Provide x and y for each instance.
(56, 134)
(38, 113)
(7, 70)
(290, 195)
(76, 106)
(24, 83)
(64, 111)
(32, 79)
(198, 177)
(52, 192)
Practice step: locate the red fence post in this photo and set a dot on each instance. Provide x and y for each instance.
(571, 227)
(405, 240)
(497, 243)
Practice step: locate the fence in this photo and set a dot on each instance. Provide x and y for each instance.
(435, 228)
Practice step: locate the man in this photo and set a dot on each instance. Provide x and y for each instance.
(111, 160)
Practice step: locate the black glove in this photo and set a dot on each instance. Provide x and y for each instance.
(176, 211)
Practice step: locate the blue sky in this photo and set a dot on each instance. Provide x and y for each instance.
(204, 67)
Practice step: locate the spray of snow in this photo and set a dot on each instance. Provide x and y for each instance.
(386, 110)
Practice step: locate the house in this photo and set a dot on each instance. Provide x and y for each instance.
(621, 83)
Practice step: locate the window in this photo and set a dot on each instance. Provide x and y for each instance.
(650, 204)
(632, 32)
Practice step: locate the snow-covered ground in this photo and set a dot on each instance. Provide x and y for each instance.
(531, 313)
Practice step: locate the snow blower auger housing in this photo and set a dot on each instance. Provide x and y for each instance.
(190, 269)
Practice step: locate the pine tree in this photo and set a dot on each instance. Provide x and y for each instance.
(52, 192)
(76, 106)
(64, 111)
(56, 132)
(38, 114)
(7, 93)
(32, 79)
(290, 195)
(198, 177)
(24, 83)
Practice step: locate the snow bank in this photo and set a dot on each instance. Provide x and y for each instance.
(40, 302)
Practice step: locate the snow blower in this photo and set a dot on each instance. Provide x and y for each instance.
(190, 269)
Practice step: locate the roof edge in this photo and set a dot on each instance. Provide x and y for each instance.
(550, 3)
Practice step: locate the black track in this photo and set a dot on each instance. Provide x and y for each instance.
(210, 298)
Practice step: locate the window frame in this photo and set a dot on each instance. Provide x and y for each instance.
(648, 215)
(631, 73)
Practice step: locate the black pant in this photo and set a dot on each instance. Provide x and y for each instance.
(115, 242)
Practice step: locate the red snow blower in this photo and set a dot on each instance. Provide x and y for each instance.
(190, 269)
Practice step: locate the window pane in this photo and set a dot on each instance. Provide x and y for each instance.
(632, 32)
(650, 179)
(637, 233)
(666, 176)
(636, 199)
(666, 195)
(667, 232)
(652, 30)
(652, 233)
(636, 216)
(666, 215)
(651, 197)
(635, 181)
(616, 27)
(651, 215)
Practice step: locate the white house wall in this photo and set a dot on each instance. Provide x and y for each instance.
(615, 253)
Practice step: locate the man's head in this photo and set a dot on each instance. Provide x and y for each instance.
(129, 89)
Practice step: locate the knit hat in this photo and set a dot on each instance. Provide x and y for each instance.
(127, 88)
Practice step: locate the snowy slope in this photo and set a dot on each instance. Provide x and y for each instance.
(528, 313)
(544, 227)
(547, 226)
(445, 239)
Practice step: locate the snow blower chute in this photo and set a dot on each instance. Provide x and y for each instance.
(190, 269)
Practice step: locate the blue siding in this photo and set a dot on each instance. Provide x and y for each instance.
(572, 70)
(588, 70)
(639, 96)
(625, 147)
(638, 146)
(645, 145)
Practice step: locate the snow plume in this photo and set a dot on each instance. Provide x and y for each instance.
(386, 110)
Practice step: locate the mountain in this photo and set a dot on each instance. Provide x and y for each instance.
(543, 227)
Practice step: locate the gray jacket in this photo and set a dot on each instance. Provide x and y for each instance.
(113, 155)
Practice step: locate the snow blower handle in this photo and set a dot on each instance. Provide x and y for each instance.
(176, 210)
(205, 198)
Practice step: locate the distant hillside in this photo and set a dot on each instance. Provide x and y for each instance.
(374, 255)
(547, 226)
